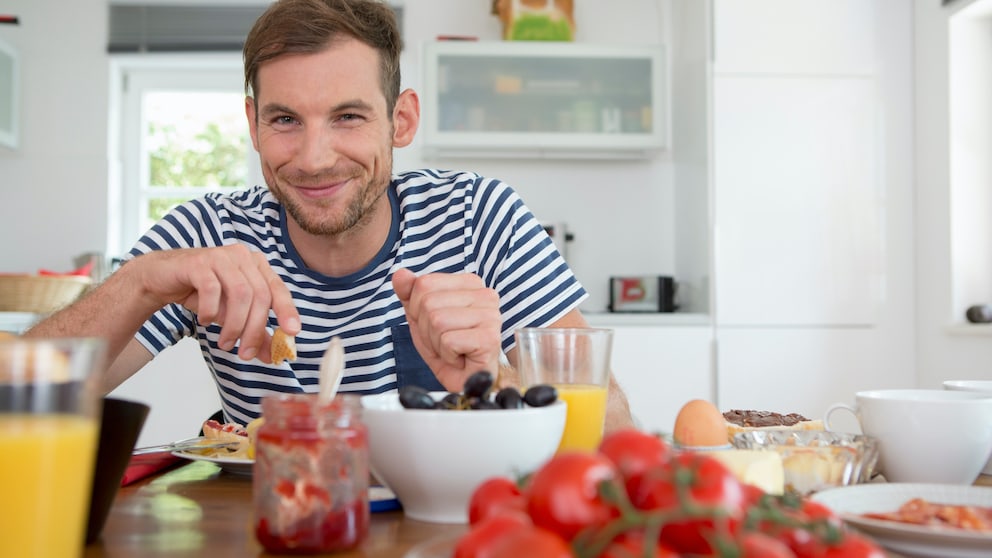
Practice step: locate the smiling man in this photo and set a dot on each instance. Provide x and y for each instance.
(424, 275)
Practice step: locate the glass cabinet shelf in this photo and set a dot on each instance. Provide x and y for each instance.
(543, 99)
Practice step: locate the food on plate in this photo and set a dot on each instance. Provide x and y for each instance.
(700, 424)
(607, 503)
(919, 511)
(738, 420)
(226, 432)
(283, 347)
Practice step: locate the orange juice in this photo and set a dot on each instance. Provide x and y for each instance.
(45, 476)
(585, 416)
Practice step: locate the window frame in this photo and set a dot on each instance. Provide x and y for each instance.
(131, 76)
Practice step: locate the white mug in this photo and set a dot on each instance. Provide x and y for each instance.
(925, 435)
(982, 386)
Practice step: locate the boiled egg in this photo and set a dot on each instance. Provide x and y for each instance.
(700, 424)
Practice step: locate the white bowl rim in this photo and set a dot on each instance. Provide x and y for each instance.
(936, 396)
(393, 397)
(974, 385)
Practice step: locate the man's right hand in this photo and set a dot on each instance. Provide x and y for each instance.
(229, 285)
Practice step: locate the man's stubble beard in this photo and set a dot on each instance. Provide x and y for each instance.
(358, 212)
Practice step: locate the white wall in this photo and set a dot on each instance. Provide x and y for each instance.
(945, 350)
(53, 186)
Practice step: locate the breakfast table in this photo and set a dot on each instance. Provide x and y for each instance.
(197, 509)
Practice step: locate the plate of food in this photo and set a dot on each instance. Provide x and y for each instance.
(913, 519)
(233, 459)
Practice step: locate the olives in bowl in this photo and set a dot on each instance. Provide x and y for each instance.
(477, 394)
(433, 459)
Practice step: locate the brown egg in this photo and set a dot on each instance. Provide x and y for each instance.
(700, 424)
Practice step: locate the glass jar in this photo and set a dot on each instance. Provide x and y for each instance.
(311, 475)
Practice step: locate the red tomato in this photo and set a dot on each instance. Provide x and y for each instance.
(634, 451)
(631, 544)
(703, 491)
(531, 541)
(760, 545)
(480, 540)
(492, 495)
(853, 546)
(564, 497)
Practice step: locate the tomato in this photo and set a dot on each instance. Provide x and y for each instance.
(634, 451)
(494, 494)
(631, 544)
(480, 540)
(760, 545)
(531, 541)
(853, 546)
(564, 497)
(703, 492)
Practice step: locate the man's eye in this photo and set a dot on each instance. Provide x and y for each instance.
(283, 120)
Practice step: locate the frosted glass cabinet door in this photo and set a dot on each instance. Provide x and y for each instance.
(512, 97)
(798, 238)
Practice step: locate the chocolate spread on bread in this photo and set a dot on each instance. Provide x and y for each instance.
(762, 418)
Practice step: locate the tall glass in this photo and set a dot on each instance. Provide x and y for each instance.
(49, 424)
(576, 361)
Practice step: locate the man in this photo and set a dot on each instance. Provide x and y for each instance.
(424, 275)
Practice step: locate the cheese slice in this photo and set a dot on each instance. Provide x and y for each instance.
(758, 467)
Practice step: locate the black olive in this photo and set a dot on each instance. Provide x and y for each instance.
(540, 395)
(509, 398)
(979, 314)
(483, 404)
(415, 397)
(453, 402)
(478, 385)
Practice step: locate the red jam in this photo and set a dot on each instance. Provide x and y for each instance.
(310, 480)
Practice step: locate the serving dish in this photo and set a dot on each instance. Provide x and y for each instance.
(905, 538)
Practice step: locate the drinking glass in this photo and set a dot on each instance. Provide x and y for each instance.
(576, 361)
(49, 424)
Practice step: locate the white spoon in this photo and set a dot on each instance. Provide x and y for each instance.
(331, 370)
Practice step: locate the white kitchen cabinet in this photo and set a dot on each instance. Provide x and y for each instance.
(799, 198)
(661, 368)
(804, 370)
(543, 99)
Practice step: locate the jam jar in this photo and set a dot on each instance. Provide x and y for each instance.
(311, 475)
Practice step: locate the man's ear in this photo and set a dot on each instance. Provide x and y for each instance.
(406, 118)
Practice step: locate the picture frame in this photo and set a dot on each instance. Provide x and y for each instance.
(10, 72)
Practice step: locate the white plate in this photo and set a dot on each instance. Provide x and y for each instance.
(234, 465)
(906, 538)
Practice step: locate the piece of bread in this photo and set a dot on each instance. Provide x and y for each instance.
(748, 420)
(283, 347)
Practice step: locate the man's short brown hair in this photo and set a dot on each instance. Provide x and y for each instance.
(309, 26)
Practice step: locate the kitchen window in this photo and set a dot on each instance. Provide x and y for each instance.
(182, 134)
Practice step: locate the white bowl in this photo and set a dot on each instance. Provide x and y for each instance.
(434, 459)
(982, 386)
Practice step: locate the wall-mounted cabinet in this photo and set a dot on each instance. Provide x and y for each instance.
(537, 99)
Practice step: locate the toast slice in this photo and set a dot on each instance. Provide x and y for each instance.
(283, 347)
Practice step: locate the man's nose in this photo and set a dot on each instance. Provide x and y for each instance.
(317, 151)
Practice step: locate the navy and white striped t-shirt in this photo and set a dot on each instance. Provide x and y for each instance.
(443, 221)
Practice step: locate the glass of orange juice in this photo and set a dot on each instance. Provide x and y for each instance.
(49, 424)
(576, 361)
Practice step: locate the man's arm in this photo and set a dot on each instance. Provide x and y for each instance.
(230, 285)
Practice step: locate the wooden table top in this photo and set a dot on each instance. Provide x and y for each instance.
(199, 510)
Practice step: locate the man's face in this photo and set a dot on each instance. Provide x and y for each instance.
(323, 135)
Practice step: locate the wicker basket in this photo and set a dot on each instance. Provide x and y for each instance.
(40, 294)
